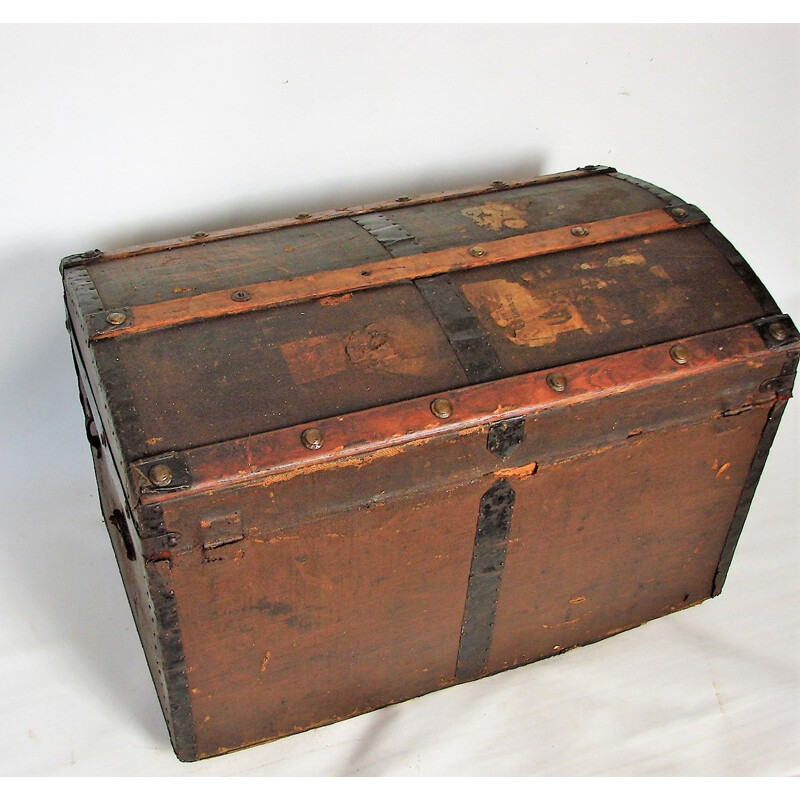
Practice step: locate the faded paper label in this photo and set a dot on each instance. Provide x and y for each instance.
(314, 358)
(395, 345)
(495, 216)
(525, 318)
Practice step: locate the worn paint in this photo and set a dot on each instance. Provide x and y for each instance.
(315, 357)
(524, 317)
(391, 345)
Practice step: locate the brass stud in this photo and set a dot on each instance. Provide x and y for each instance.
(240, 296)
(115, 318)
(680, 213)
(441, 408)
(477, 251)
(160, 475)
(778, 331)
(679, 353)
(557, 381)
(311, 438)
(579, 230)
(199, 235)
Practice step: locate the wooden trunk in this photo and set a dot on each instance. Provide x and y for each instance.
(350, 458)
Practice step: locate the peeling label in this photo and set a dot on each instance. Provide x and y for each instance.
(495, 216)
(524, 318)
(392, 345)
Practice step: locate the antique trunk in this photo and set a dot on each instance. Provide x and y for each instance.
(350, 458)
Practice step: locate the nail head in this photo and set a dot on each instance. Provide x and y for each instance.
(160, 475)
(311, 438)
(778, 331)
(557, 381)
(441, 408)
(115, 318)
(679, 353)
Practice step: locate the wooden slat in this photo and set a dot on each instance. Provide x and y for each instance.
(264, 455)
(323, 216)
(178, 311)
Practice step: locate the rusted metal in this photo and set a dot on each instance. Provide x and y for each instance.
(506, 436)
(397, 241)
(485, 576)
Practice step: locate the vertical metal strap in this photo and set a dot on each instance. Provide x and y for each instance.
(486, 573)
(468, 339)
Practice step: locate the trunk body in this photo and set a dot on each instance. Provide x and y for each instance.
(352, 458)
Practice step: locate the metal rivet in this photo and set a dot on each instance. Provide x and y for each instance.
(679, 353)
(302, 216)
(311, 438)
(680, 213)
(778, 331)
(557, 381)
(199, 235)
(441, 408)
(403, 199)
(240, 296)
(160, 475)
(115, 318)
(477, 251)
(579, 230)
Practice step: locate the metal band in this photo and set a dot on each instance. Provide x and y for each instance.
(505, 437)
(742, 268)
(754, 475)
(667, 197)
(485, 576)
(468, 339)
(396, 240)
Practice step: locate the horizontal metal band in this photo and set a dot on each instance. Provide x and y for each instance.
(302, 288)
(202, 237)
(263, 456)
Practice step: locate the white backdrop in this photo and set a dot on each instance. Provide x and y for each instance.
(112, 136)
